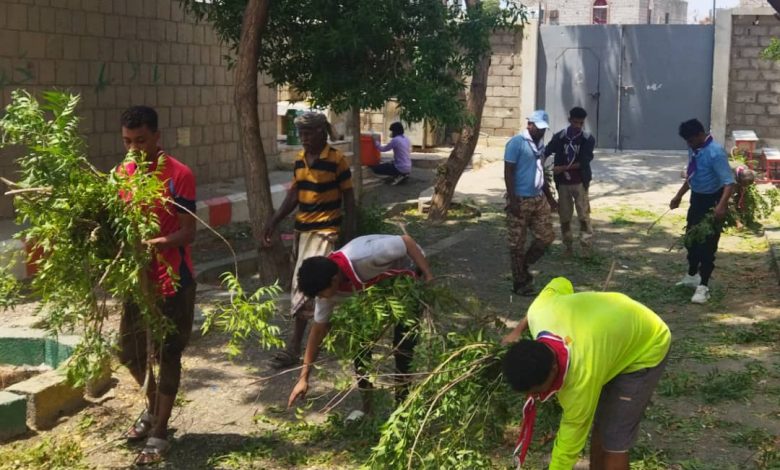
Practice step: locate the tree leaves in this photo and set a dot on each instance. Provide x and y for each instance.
(357, 54)
(83, 228)
(246, 316)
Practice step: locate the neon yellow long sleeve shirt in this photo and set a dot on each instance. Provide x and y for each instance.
(608, 334)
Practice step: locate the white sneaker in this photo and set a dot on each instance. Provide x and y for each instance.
(690, 281)
(702, 295)
(354, 417)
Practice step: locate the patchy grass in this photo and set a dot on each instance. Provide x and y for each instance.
(713, 387)
(759, 332)
(332, 443)
(719, 386)
(677, 383)
(644, 457)
(655, 291)
(625, 215)
(48, 453)
(698, 350)
(750, 437)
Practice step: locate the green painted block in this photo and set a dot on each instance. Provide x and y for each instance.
(56, 353)
(13, 415)
(19, 351)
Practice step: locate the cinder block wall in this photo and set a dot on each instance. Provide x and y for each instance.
(754, 83)
(501, 115)
(117, 53)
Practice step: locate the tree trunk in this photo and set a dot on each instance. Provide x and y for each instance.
(447, 179)
(357, 176)
(273, 262)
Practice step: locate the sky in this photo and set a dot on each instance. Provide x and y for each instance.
(701, 8)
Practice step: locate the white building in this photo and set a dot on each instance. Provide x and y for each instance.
(579, 12)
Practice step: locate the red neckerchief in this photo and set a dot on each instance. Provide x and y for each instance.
(353, 282)
(558, 345)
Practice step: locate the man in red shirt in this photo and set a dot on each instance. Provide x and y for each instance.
(171, 249)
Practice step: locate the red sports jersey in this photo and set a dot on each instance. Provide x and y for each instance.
(180, 188)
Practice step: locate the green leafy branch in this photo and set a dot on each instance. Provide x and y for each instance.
(454, 417)
(246, 316)
(772, 51)
(85, 228)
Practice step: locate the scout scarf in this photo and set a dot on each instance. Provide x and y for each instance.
(558, 345)
(692, 154)
(539, 154)
(572, 149)
(353, 280)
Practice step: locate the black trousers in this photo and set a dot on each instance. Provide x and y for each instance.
(386, 169)
(404, 341)
(701, 256)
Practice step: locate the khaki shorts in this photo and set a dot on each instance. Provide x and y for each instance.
(621, 405)
(308, 244)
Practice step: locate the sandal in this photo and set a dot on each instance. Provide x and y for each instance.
(283, 359)
(153, 452)
(140, 429)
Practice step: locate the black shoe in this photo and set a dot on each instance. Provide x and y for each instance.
(525, 289)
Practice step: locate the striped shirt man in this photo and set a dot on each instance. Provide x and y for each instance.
(320, 188)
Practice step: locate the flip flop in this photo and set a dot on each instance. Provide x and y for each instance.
(283, 359)
(140, 428)
(153, 452)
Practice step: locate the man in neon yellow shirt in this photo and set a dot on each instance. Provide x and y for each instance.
(603, 354)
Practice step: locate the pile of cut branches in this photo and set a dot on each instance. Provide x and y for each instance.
(84, 228)
(456, 415)
(751, 206)
(458, 407)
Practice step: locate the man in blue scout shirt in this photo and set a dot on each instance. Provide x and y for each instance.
(711, 181)
(529, 201)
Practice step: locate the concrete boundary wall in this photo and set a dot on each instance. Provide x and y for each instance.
(746, 88)
(117, 53)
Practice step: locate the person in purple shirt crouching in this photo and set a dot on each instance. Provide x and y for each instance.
(398, 170)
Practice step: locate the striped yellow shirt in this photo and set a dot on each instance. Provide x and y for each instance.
(320, 187)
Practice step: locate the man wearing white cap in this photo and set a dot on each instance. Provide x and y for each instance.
(529, 201)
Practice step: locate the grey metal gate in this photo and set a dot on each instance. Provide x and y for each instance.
(637, 82)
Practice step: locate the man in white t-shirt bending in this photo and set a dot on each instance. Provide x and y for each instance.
(359, 264)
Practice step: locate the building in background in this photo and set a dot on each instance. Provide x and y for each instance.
(581, 12)
(753, 3)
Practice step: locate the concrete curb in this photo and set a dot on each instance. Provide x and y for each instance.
(40, 401)
(34, 346)
(13, 415)
(48, 397)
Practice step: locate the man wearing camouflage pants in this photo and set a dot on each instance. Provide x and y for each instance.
(529, 201)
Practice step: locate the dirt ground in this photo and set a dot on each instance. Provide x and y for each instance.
(717, 407)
